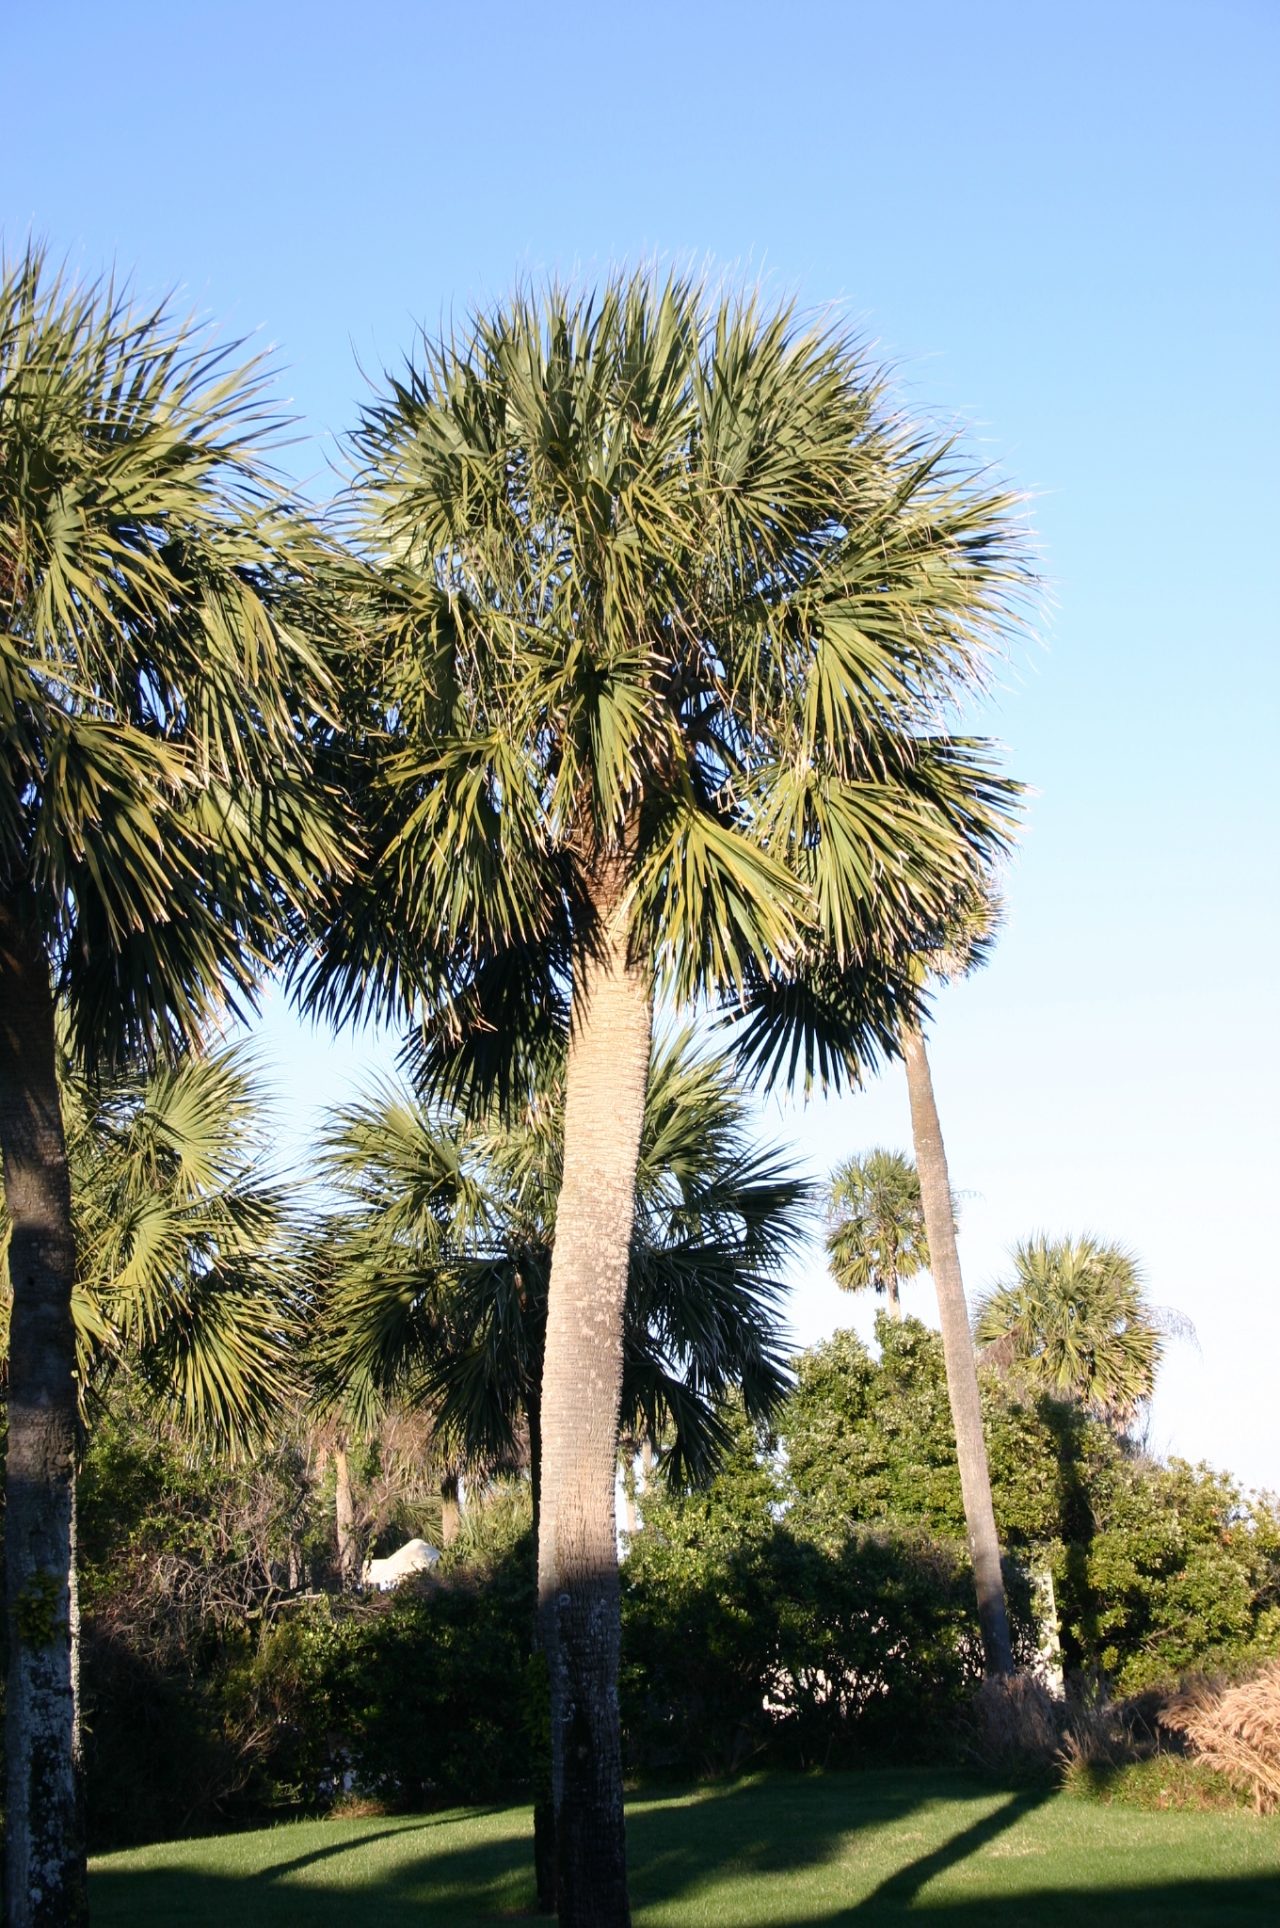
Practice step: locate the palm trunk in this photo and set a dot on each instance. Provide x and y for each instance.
(581, 1393)
(450, 1509)
(957, 1350)
(895, 1303)
(629, 1447)
(544, 1818)
(345, 1514)
(45, 1871)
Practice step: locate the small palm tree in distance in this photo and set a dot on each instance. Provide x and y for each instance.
(1074, 1321)
(876, 1235)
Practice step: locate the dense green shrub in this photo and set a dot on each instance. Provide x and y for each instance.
(742, 1634)
(1157, 1568)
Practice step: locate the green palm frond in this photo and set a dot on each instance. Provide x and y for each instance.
(188, 1271)
(875, 1224)
(163, 615)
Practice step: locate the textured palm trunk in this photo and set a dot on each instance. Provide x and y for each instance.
(345, 1514)
(957, 1349)
(544, 1818)
(45, 1866)
(581, 1392)
(450, 1509)
(895, 1302)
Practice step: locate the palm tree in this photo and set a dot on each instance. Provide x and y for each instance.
(953, 948)
(672, 607)
(1075, 1322)
(875, 1228)
(156, 825)
(440, 1265)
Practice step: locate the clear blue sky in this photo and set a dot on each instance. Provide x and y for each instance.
(1060, 221)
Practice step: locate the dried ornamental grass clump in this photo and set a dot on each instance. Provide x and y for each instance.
(1235, 1730)
(1015, 1724)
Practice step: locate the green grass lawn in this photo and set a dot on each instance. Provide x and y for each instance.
(774, 1851)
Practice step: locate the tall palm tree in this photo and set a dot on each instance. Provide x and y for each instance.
(672, 608)
(156, 825)
(440, 1265)
(957, 945)
(1074, 1321)
(875, 1226)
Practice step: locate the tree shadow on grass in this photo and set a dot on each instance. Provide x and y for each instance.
(680, 1849)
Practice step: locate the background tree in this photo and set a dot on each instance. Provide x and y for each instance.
(156, 822)
(671, 604)
(1075, 1321)
(439, 1261)
(955, 947)
(875, 1225)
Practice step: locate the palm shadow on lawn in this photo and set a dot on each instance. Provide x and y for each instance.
(677, 1849)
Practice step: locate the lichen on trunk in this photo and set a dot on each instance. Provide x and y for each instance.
(45, 1866)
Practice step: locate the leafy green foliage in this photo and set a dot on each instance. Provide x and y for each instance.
(744, 1633)
(1157, 1568)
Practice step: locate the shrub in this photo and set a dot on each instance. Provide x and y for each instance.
(742, 1635)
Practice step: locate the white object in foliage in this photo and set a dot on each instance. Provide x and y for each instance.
(415, 1556)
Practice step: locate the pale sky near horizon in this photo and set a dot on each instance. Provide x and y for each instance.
(1059, 222)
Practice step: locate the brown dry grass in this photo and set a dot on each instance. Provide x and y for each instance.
(1235, 1730)
(1014, 1725)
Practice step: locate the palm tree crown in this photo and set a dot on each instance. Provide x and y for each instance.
(155, 673)
(1075, 1322)
(670, 604)
(876, 1233)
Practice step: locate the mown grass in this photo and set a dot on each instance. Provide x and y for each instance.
(773, 1851)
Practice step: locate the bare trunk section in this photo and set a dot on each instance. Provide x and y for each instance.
(544, 1817)
(581, 1392)
(345, 1515)
(957, 1350)
(450, 1508)
(45, 1865)
(895, 1302)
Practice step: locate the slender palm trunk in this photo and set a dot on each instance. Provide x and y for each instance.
(450, 1508)
(45, 1871)
(581, 1392)
(544, 1818)
(957, 1350)
(345, 1514)
(891, 1293)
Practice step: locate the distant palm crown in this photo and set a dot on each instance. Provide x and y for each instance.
(670, 607)
(155, 684)
(1075, 1322)
(876, 1232)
